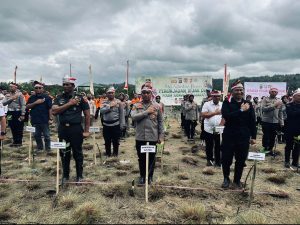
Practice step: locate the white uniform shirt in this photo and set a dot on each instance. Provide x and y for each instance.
(213, 121)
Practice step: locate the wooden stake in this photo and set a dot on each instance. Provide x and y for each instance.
(57, 171)
(30, 148)
(252, 184)
(147, 172)
(94, 148)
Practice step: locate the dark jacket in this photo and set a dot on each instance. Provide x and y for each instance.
(293, 119)
(239, 126)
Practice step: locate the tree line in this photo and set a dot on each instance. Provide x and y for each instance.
(293, 82)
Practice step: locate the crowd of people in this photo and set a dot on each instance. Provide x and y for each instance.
(236, 117)
(239, 119)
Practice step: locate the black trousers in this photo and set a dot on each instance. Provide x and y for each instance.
(269, 134)
(238, 149)
(111, 135)
(72, 135)
(16, 126)
(212, 142)
(291, 147)
(142, 158)
(190, 128)
(97, 113)
(182, 121)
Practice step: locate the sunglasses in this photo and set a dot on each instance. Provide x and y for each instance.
(38, 88)
(66, 84)
(146, 92)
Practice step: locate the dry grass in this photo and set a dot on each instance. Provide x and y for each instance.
(268, 170)
(277, 179)
(183, 176)
(6, 213)
(185, 150)
(208, 171)
(176, 136)
(249, 217)
(121, 173)
(190, 160)
(156, 194)
(116, 190)
(195, 149)
(114, 197)
(194, 212)
(67, 201)
(87, 213)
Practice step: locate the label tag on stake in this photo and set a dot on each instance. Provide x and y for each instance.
(219, 129)
(94, 129)
(148, 148)
(257, 156)
(30, 129)
(58, 145)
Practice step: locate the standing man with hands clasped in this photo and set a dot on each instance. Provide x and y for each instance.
(239, 130)
(149, 128)
(211, 112)
(40, 106)
(113, 122)
(69, 107)
(272, 119)
(16, 113)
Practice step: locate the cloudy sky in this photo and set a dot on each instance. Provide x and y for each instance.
(42, 37)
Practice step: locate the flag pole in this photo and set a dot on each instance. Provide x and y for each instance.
(15, 74)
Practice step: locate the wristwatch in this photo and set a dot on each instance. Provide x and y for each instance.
(2, 133)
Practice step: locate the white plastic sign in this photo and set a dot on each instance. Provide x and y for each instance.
(257, 156)
(219, 129)
(148, 148)
(58, 144)
(94, 129)
(30, 129)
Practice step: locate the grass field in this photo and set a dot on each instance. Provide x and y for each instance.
(112, 199)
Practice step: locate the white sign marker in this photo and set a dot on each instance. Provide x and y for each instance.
(30, 129)
(148, 148)
(257, 156)
(219, 129)
(58, 144)
(94, 129)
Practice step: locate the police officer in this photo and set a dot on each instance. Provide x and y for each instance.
(16, 113)
(149, 128)
(272, 119)
(191, 117)
(113, 121)
(239, 127)
(69, 107)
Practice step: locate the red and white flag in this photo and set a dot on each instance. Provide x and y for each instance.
(127, 74)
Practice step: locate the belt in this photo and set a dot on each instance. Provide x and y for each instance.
(110, 122)
(69, 124)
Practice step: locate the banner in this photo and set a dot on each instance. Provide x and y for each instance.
(172, 89)
(260, 89)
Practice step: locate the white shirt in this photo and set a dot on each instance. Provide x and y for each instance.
(3, 109)
(213, 121)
